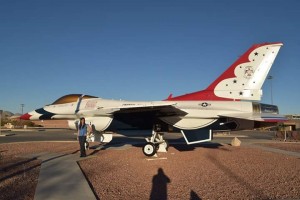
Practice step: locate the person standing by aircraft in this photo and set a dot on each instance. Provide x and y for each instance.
(82, 132)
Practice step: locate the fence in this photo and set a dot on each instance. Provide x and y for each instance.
(287, 135)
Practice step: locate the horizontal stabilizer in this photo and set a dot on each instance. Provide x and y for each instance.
(257, 117)
(273, 118)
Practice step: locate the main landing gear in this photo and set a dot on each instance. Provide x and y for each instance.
(155, 143)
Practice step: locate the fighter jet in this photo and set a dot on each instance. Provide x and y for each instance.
(228, 103)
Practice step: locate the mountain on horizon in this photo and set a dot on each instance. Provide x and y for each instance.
(6, 114)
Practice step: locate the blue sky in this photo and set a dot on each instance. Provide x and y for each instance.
(139, 50)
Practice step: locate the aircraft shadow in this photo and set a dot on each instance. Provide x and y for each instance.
(178, 144)
(139, 141)
(192, 147)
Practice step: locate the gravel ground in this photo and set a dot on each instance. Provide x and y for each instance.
(18, 174)
(18, 178)
(224, 172)
(202, 173)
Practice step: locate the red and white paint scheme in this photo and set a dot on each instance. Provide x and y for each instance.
(229, 103)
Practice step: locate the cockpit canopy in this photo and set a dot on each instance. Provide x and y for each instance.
(71, 98)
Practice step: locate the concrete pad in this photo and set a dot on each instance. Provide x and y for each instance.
(61, 178)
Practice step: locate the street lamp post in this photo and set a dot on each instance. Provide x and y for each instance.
(22, 106)
(270, 78)
(1, 111)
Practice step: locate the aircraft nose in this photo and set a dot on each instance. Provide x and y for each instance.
(26, 116)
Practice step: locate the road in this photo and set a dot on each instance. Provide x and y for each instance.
(38, 135)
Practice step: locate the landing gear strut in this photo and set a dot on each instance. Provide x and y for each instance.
(155, 143)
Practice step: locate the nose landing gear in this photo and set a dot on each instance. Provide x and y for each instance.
(155, 143)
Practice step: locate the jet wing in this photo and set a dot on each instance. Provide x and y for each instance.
(161, 108)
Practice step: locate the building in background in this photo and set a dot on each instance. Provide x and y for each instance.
(293, 122)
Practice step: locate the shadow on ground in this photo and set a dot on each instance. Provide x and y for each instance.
(177, 144)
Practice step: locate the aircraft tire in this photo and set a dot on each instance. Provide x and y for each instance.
(149, 149)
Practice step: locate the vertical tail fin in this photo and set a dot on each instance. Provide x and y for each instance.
(243, 79)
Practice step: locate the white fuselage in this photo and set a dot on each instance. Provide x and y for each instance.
(197, 114)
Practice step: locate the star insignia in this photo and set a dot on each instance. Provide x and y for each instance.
(204, 104)
(255, 53)
(234, 81)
